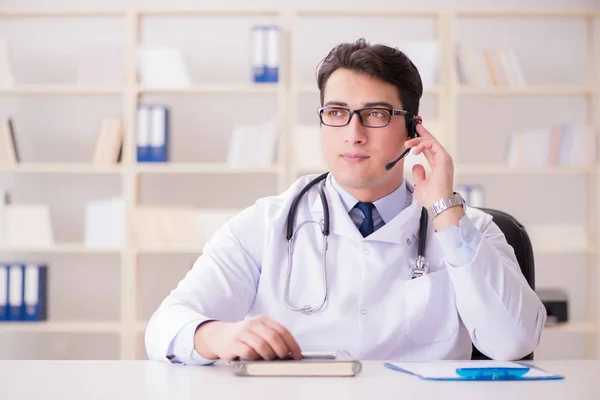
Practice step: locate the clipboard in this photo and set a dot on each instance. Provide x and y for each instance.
(473, 371)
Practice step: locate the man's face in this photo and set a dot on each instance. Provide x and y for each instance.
(357, 155)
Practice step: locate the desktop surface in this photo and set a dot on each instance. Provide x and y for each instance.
(115, 380)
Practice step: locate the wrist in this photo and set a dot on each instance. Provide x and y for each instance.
(447, 218)
(203, 338)
(447, 211)
(438, 197)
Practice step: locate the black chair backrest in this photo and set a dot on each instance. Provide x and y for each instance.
(517, 237)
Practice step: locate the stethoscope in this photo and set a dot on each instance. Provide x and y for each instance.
(418, 269)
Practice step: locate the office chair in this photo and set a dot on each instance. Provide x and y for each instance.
(517, 237)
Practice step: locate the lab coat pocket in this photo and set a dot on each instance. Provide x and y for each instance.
(430, 309)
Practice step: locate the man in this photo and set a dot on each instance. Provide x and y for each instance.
(242, 299)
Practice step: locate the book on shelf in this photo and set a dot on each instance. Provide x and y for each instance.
(557, 236)
(105, 224)
(558, 145)
(265, 53)
(23, 291)
(167, 226)
(109, 145)
(152, 133)
(9, 153)
(487, 67)
(253, 145)
(26, 225)
(307, 149)
(162, 67)
(7, 79)
(161, 226)
(472, 193)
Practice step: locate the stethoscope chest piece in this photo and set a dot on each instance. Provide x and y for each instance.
(419, 268)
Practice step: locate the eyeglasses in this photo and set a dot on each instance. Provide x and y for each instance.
(372, 117)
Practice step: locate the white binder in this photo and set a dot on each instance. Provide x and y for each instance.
(15, 292)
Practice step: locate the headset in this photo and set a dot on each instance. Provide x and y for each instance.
(411, 127)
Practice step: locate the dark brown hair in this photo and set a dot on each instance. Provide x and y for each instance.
(377, 61)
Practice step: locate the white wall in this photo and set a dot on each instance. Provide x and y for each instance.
(64, 128)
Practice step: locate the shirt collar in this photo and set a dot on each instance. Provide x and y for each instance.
(387, 207)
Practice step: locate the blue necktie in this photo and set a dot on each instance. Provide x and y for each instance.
(366, 228)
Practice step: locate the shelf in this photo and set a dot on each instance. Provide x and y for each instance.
(61, 168)
(60, 248)
(522, 170)
(307, 11)
(62, 327)
(578, 327)
(307, 88)
(536, 12)
(367, 12)
(199, 168)
(171, 250)
(185, 12)
(251, 88)
(558, 251)
(529, 90)
(63, 89)
(62, 13)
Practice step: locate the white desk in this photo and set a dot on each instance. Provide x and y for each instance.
(115, 380)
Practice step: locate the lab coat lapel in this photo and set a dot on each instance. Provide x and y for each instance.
(404, 226)
(340, 221)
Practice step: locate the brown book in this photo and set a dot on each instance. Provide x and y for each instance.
(339, 363)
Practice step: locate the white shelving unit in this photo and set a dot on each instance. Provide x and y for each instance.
(447, 93)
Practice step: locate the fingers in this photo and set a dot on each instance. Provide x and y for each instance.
(258, 344)
(422, 131)
(422, 142)
(242, 351)
(418, 173)
(261, 337)
(290, 343)
(273, 340)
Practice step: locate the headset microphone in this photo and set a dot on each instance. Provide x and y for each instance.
(412, 134)
(391, 164)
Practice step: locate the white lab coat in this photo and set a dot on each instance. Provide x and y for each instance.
(373, 309)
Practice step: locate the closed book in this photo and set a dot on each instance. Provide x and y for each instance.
(143, 133)
(272, 57)
(339, 363)
(159, 132)
(35, 292)
(15, 292)
(3, 292)
(258, 53)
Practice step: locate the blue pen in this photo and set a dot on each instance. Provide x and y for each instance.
(492, 374)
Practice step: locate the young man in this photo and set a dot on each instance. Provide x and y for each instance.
(245, 295)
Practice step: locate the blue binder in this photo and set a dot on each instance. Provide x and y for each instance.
(35, 291)
(15, 292)
(159, 133)
(473, 371)
(265, 53)
(143, 133)
(3, 292)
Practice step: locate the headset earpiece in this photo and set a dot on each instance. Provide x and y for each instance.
(412, 128)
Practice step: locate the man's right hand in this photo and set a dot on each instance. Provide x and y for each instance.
(254, 338)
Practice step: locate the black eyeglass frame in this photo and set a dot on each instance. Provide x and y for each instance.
(358, 111)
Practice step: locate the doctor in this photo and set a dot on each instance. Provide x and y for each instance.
(243, 297)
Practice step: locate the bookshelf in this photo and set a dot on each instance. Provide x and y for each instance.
(447, 93)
